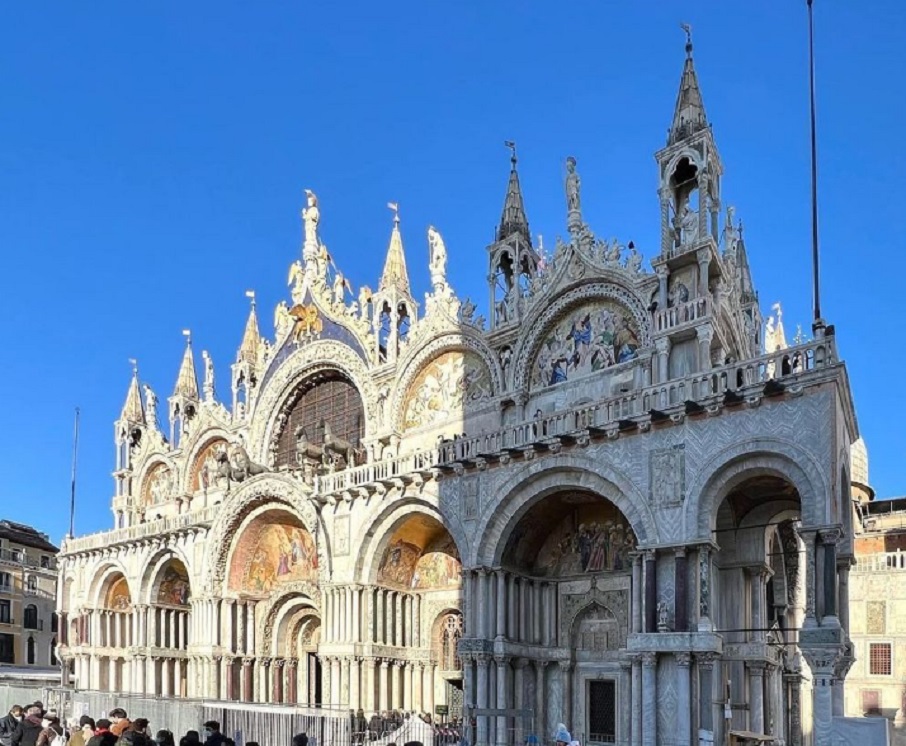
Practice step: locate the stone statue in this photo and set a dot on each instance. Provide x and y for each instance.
(339, 288)
(208, 376)
(364, 300)
(613, 253)
(506, 357)
(731, 232)
(688, 223)
(151, 405)
(573, 202)
(467, 311)
(311, 215)
(282, 320)
(634, 260)
(437, 262)
(663, 624)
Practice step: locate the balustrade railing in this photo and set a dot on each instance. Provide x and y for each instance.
(881, 561)
(19, 557)
(743, 377)
(684, 313)
(142, 530)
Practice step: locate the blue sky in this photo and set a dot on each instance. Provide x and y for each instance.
(153, 158)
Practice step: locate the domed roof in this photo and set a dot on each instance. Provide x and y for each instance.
(858, 454)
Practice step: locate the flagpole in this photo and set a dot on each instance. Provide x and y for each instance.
(818, 323)
(72, 490)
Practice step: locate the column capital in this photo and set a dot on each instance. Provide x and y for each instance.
(482, 659)
(703, 256)
(541, 664)
(565, 665)
(501, 659)
(649, 659)
(704, 333)
(831, 535)
(756, 668)
(520, 663)
(680, 551)
(626, 664)
(706, 660)
(683, 660)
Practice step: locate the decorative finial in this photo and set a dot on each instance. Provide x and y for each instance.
(134, 363)
(250, 294)
(688, 29)
(187, 333)
(511, 144)
(395, 206)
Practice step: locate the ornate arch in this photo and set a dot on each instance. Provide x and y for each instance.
(694, 156)
(199, 445)
(377, 533)
(321, 355)
(540, 478)
(418, 359)
(100, 583)
(153, 569)
(577, 607)
(153, 461)
(741, 461)
(277, 609)
(258, 495)
(532, 336)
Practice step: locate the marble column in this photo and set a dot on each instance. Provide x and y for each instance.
(756, 696)
(345, 674)
(843, 565)
(650, 591)
(502, 666)
(292, 681)
(384, 685)
(704, 589)
(501, 603)
(681, 606)
(512, 630)
(335, 682)
(519, 665)
(418, 687)
(482, 603)
(481, 731)
(662, 345)
(704, 334)
(705, 664)
(406, 673)
(649, 699)
(540, 701)
(369, 701)
(247, 683)
(624, 716)
(829, 541)
(811, 620)
(683, 700)
(355, 683)
(636, 592)
(635, 730)
(430, 678)
(396, 691)
(566, 679)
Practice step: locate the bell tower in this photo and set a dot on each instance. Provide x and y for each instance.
(185, 400)
(513, 261)
(394, 308)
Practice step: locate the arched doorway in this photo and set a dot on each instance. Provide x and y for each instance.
(273, 586)
(757, 600)
(114, 630)
(564, 585)
(168, 624)
(418, 579)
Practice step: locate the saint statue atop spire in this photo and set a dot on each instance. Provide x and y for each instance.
(311, 216)
(573, 200)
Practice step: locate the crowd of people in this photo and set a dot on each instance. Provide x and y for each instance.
(32, 725)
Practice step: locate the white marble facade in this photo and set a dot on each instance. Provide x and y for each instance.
(604, 504)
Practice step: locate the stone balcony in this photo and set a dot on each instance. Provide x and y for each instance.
(743, 383)
(681, 315)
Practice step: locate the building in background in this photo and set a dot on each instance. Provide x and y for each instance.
(28, 580)
(876, 685)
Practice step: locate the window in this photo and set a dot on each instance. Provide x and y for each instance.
(7, 653)
(450, 634)
(54, 623)
(6, 616)
(871, 702)
(31, 617)
(879, 659)
(602, 711)
(30, 651)
(6, 581)
(32, 583)
(45, 561)
(52, 657)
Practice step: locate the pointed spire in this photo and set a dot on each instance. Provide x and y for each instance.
(395, 274)
(248, 350)
(133, 410)
(186, 381)
(513, 219)
(689, 116)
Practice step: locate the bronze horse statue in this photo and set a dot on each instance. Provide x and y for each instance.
(338, 446)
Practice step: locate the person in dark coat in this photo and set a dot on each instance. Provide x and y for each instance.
(9, 724)
(102, 735)
(213, 736)
(27, 732)
(52, 729)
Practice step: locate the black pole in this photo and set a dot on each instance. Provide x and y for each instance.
(816, 281)
(75, 454)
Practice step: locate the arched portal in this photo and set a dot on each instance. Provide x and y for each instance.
(275, 548)
(757, 598)
(418, 577)
(111, 628)
(168, 624)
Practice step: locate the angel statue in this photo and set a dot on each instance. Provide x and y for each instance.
(573, 203)
(151, 404)
(296, 273)
(311, 215)
(364, 300)
(208, 376)
(688, 224)
(437, 262)
(634, 260)
(340, 285)
(282, 320)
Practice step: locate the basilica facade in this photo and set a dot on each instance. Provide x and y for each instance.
(612, 497)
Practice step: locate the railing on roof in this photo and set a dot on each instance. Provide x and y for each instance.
(880, 561)
(744, 377)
